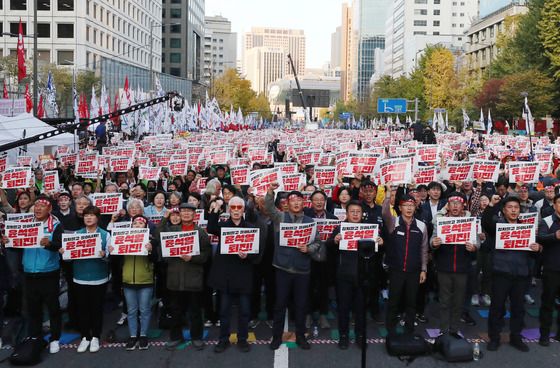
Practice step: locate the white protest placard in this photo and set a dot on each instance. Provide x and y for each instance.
(395, 171)
(81, 246)
(544, 158)
(361, 162)
(523, 172)
(425, 175)
(119, 225)
(427, 153)
(120, 164)
(69, 159)
(325, 227)
(529, 218)
(199, 218)
(16, 177)
(240, 174)
(293, 181)
(352, 233)
(3, 161)
(287, 167)
(50, 182)
(340, 213)
(179, 167)
(456, 230)
(515, 236)
(24, 235)
(86, 165)
(20, 217)
(177, 244)
(239, 240)
(24, 161)
(130, 242)
(297, 235)
(108, 203)
(324, 176)
(149, 173)
(486, 170)
(458, 171)
(261, 179)
(155, 219)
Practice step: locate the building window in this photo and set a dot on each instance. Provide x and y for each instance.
(421, 11)
(420, 1)
(436, 23)
(436, 12)
(436, 33)
(175, 12)
(43, 30)
(175, 71)
(420, 23)
(44, 57)
(65, 57)
(175, 43)
(175, 28)
(18, 5)
(419, 33)
(65, 30)
(65, 5)
(44, 5)
(437, 1)
(14, 28)
(175, 57)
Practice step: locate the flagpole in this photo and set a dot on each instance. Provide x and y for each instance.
(35, 55)
(528, 125)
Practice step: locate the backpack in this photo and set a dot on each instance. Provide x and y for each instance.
(454, 348)
(28, 353)
(407, 346)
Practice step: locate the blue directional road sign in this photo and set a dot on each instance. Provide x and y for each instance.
(344, 115)
(391, 105)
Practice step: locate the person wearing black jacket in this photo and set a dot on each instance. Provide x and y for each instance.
(453, 265)
(4, 286)
(232, 274)
(549, 236)
(510, 272)
(348, 291)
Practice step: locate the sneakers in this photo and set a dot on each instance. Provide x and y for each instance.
(221, 347)
(486, 301)
(475, 302)
(208, 323)
(308, 321)
(94, 345)
(143, 343)
(198, 344)
(467, 319)
(519, 345)
(253, 323)
(122, 319)
(324, 322)
(217, 324)
(529, 299)
(385, 294)
(243, 346)
(54, 347)
(302, 342)
(421, 318)
(84, 345)
(275, 343)
(131, 343)
(493, 345)
(343, 342)
(170, 345)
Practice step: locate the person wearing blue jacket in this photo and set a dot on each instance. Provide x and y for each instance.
(41, 267)
(90, 278)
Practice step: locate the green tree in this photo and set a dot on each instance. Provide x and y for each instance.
(231, 90)
(549, 34)
(440, 79)
(261, 105)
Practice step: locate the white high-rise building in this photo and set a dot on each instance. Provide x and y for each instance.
(264, 65)
(80, 33)
(290, 41)
(220, 47)
(412, 25)
(336, 48)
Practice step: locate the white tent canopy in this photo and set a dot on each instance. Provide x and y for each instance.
(12, 129)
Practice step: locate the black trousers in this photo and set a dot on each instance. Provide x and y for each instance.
(378, 282)
(403, 288)
(179, 303)
(287, 285)
(43, 290)
(319, 288)
(506, 286)
(89, 301)
(551, 288)
(72, 308)
(243, 315)
(263, 275)
(350, 297)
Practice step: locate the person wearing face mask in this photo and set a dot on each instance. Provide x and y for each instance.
(406, 249)
(90, 278)
(453, 265)
(232, 274)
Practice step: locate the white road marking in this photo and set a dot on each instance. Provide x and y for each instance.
(281, 356)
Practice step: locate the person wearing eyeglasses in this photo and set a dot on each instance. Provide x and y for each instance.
(232, 275)
(292, 266)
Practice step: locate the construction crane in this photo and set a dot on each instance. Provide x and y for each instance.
(308, 124)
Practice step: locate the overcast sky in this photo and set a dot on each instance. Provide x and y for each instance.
(318, 18)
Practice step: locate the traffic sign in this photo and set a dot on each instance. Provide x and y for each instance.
(391, 105)
(344, 115)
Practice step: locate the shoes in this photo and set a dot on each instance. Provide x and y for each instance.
(475, 302)
(533, 281)
(84, 345)
(343, 342)
(217, 324)
(170, 345)
(54, 347)
(467, 319)
(519, 345)
(385, 294)
(94, 345)
(308, 321)
(556, 337)
(133, 341)
(529, 299)
(243, 346)
(421, 318)
(544, 341)
(269, 323)
(486, 301)
(253, 323)
(493, 345)
(122, 319)
(275, 343)
(208, 323)
(324, 322)
(143, 343)
(302, 342)
(198, 344)
(221, 347)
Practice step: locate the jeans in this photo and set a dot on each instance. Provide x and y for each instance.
(139, 300)
(243, 315)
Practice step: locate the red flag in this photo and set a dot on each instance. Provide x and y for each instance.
(28, 101)
(40, 108)
(22, 72)
(5, 91)
(116, 108)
